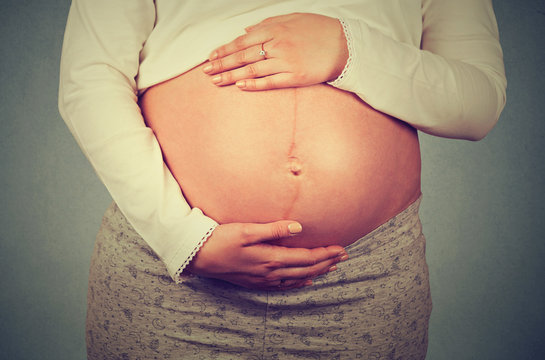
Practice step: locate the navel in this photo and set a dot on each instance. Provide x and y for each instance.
(294, 165)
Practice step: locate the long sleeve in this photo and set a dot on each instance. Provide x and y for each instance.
(453, 85)
(98, 101)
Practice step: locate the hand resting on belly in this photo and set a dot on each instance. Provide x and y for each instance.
(306, 152)
(316, 155)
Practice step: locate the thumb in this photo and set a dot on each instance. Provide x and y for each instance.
(256, 233)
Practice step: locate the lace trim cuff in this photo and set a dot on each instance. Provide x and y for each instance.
(178, 276)
(348, 35)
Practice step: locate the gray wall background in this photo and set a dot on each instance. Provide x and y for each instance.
(483, 209)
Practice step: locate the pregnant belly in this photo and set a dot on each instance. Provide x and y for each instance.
(317, 155)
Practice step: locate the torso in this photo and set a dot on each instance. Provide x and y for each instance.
(318, 155)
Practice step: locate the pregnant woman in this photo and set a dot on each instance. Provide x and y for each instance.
(264, 163)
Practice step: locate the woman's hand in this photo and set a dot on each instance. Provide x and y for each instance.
(239, 253)
(282, 51)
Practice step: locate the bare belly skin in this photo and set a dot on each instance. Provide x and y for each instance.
(316, 154)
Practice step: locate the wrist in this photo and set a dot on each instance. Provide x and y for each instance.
(342, 53)
(348, 62)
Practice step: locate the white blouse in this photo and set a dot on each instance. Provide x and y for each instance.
(435, 64)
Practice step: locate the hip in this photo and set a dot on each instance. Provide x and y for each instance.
(378, 302)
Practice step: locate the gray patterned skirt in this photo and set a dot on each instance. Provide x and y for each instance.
(375, 306)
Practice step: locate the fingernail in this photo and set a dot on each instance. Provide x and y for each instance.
(216, 79)
(308, 283)
(214, 55)
(332, 268)
(207, 68)
(343, 258)
(241, 84)
(295, 228)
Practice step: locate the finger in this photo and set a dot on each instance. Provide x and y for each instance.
(240, 43)
(250, 71)
(304, 273)
(298, 277)
(258, 233)
(284, 257)
(276, 81)
(233, 61)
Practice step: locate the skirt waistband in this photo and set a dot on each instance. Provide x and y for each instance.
(391, 230)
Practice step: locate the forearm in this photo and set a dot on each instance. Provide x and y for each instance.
(97, 100)
(454, 86)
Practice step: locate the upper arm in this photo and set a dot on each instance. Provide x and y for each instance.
(99, 62)
(103, 40)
